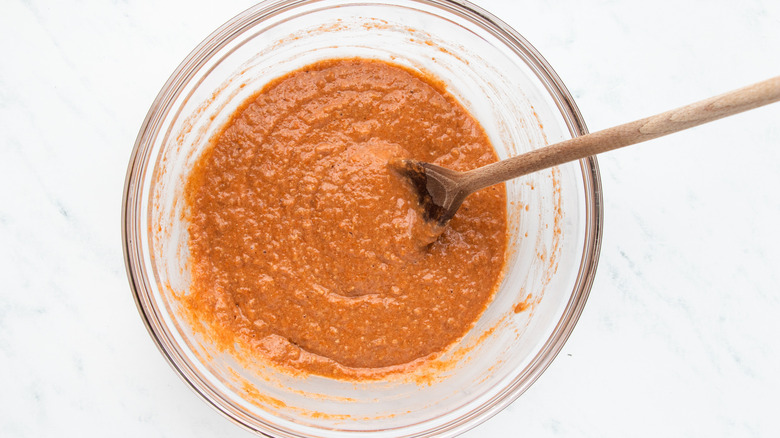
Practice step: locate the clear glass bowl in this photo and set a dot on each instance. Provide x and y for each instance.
(555, 215)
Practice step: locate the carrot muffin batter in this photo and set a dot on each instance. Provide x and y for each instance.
(306, 247)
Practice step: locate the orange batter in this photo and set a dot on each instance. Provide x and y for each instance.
(305, 246)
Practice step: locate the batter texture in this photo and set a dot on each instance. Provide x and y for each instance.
(309, 250)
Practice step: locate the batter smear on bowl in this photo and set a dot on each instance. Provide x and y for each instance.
(306, 247)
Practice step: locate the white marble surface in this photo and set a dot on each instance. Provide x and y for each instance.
(679, 337)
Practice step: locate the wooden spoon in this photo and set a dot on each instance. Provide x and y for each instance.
(441, 190)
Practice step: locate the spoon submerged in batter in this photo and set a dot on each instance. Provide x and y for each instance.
(441, 191)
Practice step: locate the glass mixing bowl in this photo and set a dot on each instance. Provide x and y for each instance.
(555, 216)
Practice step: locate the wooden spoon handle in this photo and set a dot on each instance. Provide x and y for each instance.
(733, 102)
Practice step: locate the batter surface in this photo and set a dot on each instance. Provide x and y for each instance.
(309, 250)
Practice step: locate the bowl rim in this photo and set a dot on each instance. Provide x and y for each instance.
(140, 157)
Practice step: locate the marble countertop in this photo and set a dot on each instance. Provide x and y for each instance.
(680, 334)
